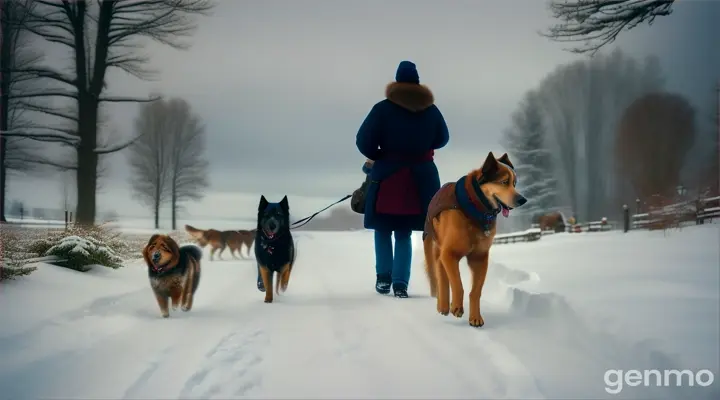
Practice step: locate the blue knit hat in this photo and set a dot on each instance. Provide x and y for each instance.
(407, 73)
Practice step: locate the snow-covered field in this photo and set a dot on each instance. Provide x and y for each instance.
(559, 313)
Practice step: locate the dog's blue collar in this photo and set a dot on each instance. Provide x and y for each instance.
(483, 217)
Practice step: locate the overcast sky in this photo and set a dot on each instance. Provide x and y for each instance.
(283, 86)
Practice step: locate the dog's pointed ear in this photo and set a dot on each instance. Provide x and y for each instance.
(284, 203)
(263, 203)
(490, 166)
(506, 160)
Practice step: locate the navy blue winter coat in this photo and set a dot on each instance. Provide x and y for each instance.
(401, 133)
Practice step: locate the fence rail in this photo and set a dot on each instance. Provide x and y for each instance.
(698, 211)
(529, 235)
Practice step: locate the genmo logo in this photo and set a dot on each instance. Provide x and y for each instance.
(616, 379)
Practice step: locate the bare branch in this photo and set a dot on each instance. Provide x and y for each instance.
(43, 137)
(66, 94)
(118, 147)
(110, 99)
(47, 73)
(597, 23)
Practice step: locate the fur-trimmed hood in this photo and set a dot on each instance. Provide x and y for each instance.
(410, 96)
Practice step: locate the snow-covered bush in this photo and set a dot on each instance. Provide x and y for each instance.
(82, 253)
(13, 258)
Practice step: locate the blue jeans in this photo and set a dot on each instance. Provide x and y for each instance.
(397, 266)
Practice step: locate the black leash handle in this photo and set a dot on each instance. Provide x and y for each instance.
(305, 220)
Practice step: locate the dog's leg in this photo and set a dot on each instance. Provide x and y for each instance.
(163, 303)
(267, 278)
(443, 285)
(430, 265)
(451, 266)
(176, 296)
(283, 278)
(188, 287)
(212, 252)
(478, 267)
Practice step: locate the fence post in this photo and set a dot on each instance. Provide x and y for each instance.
(637, 206)
(698, 212)
(66, 219)
(22, 212)
(626, 218)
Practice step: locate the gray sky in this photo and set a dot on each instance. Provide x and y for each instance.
(283, 86)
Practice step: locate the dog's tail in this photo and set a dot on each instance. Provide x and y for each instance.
(194, 232)
(430, 264)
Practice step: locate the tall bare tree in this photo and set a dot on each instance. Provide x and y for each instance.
(17, 62)
(597, 23)
(582, 103)
(188, 174)
(149, 156)
(103, 34)
(168, 160)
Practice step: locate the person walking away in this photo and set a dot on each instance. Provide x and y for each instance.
(399, 135)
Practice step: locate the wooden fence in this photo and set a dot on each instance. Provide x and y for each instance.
(529, 235)
(660, 217)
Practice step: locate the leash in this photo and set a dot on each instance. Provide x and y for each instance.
(305, 220)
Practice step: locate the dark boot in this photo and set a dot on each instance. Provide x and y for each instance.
(400, 290)
(382, 284)
(260, 284)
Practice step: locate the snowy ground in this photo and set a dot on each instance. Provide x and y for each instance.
(559, 313)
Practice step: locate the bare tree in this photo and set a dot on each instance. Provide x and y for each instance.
(582, 103)
(525, 140)
(597, 23)
(188, 173)
(17, 62)
(149, 156)
(168, 161)
(102, 35)
(654, 136)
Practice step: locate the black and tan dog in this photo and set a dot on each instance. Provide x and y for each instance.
(174, 272)
(274, 246)
(461, 222)
(219, 240)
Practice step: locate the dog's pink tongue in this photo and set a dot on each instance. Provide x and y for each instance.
(505, 212)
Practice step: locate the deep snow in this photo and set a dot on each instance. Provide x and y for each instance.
(559, 313)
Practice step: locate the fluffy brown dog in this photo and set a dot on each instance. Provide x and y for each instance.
(174, 272)
(461, 222)
(219, 240)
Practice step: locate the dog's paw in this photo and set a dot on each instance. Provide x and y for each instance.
(476, 321)
(165, 315)
(186, 308)
(457, 311)
(268, 300)
(443, 309)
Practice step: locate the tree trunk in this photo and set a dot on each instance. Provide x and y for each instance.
(157, 213)
(5, 59)
(87, 161)
(173, 206)
(3, 179)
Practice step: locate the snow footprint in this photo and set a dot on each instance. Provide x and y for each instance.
(229, 369)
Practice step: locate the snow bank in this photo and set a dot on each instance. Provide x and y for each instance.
(559, 312)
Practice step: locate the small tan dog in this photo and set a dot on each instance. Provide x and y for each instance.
(461, 222)
(174, 272)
